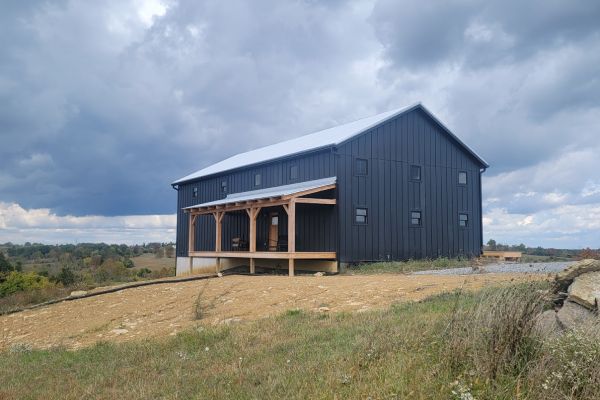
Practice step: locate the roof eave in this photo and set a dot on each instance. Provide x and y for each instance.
(320, 148)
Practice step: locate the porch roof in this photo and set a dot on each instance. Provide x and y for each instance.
(269, 193)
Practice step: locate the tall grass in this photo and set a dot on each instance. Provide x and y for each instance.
(496, 335)
(409, 266)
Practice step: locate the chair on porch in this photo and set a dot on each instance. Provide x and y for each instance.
(238, 244)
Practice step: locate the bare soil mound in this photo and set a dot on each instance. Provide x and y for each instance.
(163, 310)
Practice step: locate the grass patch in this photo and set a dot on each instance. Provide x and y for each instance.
(453, 345)
(395, 267)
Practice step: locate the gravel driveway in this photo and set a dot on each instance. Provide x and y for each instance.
(533, 268)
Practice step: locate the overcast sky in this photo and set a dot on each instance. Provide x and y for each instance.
(104, 103)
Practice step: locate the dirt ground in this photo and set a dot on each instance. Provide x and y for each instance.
(163, 310)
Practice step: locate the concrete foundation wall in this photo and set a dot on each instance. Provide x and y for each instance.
(206, 265)
(209, 265)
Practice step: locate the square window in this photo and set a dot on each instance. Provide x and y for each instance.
(361, 166)
(415, 172)
(463, 220)
(195, 192)
(462, 178)
(361, 216)
(257, 180)
(293, 172)
(415, 218)
(224, 187)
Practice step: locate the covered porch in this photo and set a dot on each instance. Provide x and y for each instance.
(278, 208)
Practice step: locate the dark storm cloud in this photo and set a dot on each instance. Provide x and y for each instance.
(104, 106)
(118, 110)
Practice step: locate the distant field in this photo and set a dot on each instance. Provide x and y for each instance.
(152, 263)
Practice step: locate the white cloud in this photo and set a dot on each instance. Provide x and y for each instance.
(19, 225)
(565, 226)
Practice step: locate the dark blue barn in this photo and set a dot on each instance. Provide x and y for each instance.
(395, 186)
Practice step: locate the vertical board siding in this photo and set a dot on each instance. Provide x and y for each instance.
(412, 138)
(389, 195)
(316, 225)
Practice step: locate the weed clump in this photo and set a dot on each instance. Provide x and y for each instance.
(496, 335)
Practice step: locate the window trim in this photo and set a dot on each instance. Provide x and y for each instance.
(224, 186)
(356, 161)
(257, 178)
(410, 218)
(410, 176)
(195, 192)
(361, 207)
(468, 225)
(466, 178)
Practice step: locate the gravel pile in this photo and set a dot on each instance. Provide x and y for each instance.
(533, 268)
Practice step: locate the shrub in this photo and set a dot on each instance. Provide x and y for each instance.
(19, 281)
(65, 276)
(112, 271)
(143, 272)
(496, 334)
(20, 299)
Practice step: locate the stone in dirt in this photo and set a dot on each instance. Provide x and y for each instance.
(585, 290)
(547, 325)
(319, 274)
(572, 315)
(77, 293)
(229, 321)
(564, 278)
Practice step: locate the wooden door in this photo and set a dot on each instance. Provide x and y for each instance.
(273, 231)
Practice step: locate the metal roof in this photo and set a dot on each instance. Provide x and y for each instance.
(269, 192)
(321, 139)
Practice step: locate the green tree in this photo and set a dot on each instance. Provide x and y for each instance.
(20, 282)
(5, 265)
(491, 244)
(66, 276)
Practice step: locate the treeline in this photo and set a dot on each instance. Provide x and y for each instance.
(65, 252)
(36, 272)
(542, 251)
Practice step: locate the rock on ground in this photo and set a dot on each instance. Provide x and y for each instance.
(547, 324)
(571, 315)
(585, 290)
(564, 278)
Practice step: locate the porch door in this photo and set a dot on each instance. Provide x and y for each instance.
(273, 231)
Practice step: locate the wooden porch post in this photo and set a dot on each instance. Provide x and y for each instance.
(191, 239)
(218, 228)
(252, 214)
(291, 210)
(218, 232)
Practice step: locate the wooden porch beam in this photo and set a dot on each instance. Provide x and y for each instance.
(310, 191)
(308, 200)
